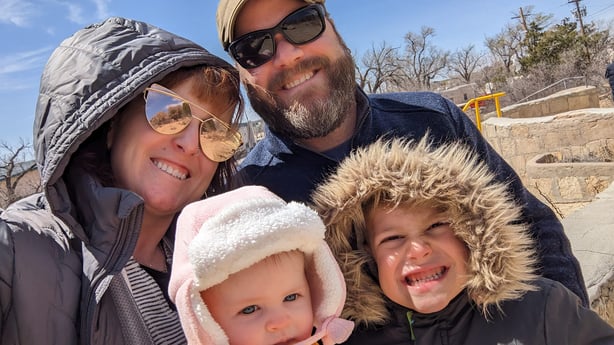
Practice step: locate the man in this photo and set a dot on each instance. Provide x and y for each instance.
(299, 76)
(609, 74)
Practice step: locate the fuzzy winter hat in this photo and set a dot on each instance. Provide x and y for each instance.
(227, 233)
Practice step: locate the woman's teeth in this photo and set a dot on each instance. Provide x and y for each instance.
(169, 170)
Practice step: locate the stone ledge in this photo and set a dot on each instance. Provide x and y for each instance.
(568, 182)
(590, 232)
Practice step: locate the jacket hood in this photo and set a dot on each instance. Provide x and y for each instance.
(232, 231)
(90, 76)
(401, 172)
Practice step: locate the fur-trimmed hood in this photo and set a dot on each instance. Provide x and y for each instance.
(401, 172)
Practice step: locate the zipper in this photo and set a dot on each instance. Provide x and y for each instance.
(410, 320)
(124, 230)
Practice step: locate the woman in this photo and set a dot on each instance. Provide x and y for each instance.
(132, 123)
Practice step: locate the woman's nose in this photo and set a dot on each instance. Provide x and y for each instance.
(188, 139)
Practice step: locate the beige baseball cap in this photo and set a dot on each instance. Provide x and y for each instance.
(227, 12)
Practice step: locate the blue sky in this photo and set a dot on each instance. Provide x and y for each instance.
(31, 29)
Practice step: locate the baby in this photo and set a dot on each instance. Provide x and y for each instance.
(250, 268)
(433, 253)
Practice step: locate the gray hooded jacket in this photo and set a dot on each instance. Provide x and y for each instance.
(503, 301)
(60, 253)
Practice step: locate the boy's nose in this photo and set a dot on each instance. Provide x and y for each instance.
(418, 249)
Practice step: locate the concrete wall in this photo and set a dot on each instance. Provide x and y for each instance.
(578, 132)
(461, 94)
(580, 97)
(571, 184)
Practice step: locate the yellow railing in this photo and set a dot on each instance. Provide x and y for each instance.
(476, 104)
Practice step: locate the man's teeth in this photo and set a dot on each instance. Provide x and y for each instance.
(169, 170)
(299, 81)
(422, 280)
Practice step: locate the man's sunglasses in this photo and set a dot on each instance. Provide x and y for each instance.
(299, 27)
(168, 113)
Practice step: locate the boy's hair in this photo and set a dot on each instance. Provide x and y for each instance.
(450, 177)
(229, 232)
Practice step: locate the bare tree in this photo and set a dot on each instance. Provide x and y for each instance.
(16, 180)
(506, 46)
(424, 60)
(382, 69)
(464, 62)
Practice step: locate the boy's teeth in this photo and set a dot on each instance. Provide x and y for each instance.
(421, 280)
(169, 170)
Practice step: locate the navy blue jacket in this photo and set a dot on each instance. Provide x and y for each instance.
(293, 172)
(550, 315)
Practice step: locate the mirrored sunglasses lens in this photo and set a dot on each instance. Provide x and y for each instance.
(254, 50)
(165, 114)
(217, 141)
(303, 26)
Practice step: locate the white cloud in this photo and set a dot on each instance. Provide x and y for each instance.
(22, 71)
(16, 12)
(102, 8)
(75, 13)
(79, 13)
(9, 85)
(24, 61)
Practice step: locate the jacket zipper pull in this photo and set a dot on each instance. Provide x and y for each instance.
(411, 322)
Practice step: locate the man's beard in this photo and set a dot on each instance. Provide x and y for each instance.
(308, 118)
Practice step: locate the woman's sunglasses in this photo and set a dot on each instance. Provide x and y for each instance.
(299, 27)
(168, 113)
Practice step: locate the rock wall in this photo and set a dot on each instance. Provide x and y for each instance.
(577, 133)
(580, 97)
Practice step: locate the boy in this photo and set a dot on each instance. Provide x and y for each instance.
(250, 268)
(433, 253)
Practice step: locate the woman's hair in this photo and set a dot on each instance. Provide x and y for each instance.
(210, 82)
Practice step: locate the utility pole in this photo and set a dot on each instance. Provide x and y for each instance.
(579, 13)
(523, 19)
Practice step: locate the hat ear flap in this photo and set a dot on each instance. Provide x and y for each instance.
(326, 282)
(198, 324)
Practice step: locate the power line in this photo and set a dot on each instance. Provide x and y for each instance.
(601, 10)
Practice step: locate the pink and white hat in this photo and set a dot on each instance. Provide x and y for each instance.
(229, 232)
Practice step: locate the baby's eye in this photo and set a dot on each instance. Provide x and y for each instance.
(291, 297)
(249, 310)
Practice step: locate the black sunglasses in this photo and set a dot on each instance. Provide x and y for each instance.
(299, 27)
